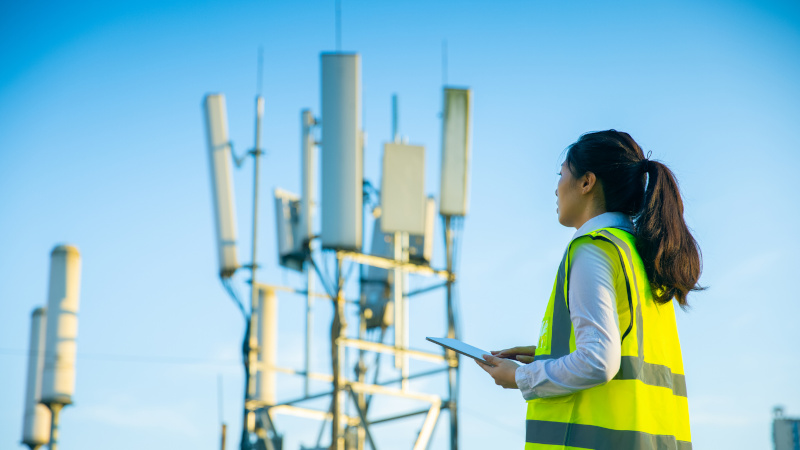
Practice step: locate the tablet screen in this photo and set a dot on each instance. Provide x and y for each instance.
(460, 347)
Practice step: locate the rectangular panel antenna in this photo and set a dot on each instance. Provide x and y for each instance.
(403, 189)
(455, 152)
(287, 226)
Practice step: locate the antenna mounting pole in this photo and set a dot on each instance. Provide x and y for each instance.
(444, 62)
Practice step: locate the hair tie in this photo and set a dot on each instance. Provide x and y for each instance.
(645, 162)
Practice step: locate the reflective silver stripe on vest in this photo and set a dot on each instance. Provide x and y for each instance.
(633, 368)
(598, 438)
(562, 325)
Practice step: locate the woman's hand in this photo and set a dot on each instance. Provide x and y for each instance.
(503, 371)
(522, 354)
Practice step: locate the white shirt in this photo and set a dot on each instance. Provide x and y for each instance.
(593, 311)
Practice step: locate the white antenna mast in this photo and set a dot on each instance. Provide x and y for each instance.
(260, 74)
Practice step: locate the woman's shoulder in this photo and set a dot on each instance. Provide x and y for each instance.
(600, 254)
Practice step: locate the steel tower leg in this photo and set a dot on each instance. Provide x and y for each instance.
(452, 357)
(338, 329)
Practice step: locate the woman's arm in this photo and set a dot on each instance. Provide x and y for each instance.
(592, 304)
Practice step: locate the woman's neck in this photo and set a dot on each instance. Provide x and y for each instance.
(592, 210)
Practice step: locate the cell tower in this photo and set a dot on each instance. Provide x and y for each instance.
(401, 245)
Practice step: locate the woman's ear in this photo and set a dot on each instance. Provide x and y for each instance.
(588, 181)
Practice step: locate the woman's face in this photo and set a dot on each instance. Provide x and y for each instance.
(568, 193)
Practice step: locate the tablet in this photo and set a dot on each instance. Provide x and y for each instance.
(460, 347)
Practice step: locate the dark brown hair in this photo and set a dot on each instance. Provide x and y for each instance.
(671, 256)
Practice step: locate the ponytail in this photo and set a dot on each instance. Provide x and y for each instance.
(671, 256)
(670, 253)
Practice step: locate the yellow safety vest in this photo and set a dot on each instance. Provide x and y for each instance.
(644, 406)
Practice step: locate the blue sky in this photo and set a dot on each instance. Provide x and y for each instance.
(104, 147)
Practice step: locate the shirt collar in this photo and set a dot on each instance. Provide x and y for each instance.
(606, 220)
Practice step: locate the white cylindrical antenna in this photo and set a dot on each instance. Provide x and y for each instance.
(259, 117)
(267, 335)
(58, 378)
(342, 152)
(36, 421)
(455, 152)
(219, 151)
(308, 161)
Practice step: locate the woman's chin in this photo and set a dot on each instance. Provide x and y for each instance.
(564, 221)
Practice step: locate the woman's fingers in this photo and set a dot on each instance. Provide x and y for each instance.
(506, 353)
(483, 366)
(527, 350)
(503, 371)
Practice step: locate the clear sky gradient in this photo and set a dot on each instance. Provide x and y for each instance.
(103, 146)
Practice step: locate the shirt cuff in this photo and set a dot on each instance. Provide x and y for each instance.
(523, 383)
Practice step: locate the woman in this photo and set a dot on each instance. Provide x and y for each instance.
(607, 372)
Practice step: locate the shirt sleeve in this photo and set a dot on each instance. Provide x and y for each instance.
(592, 304)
